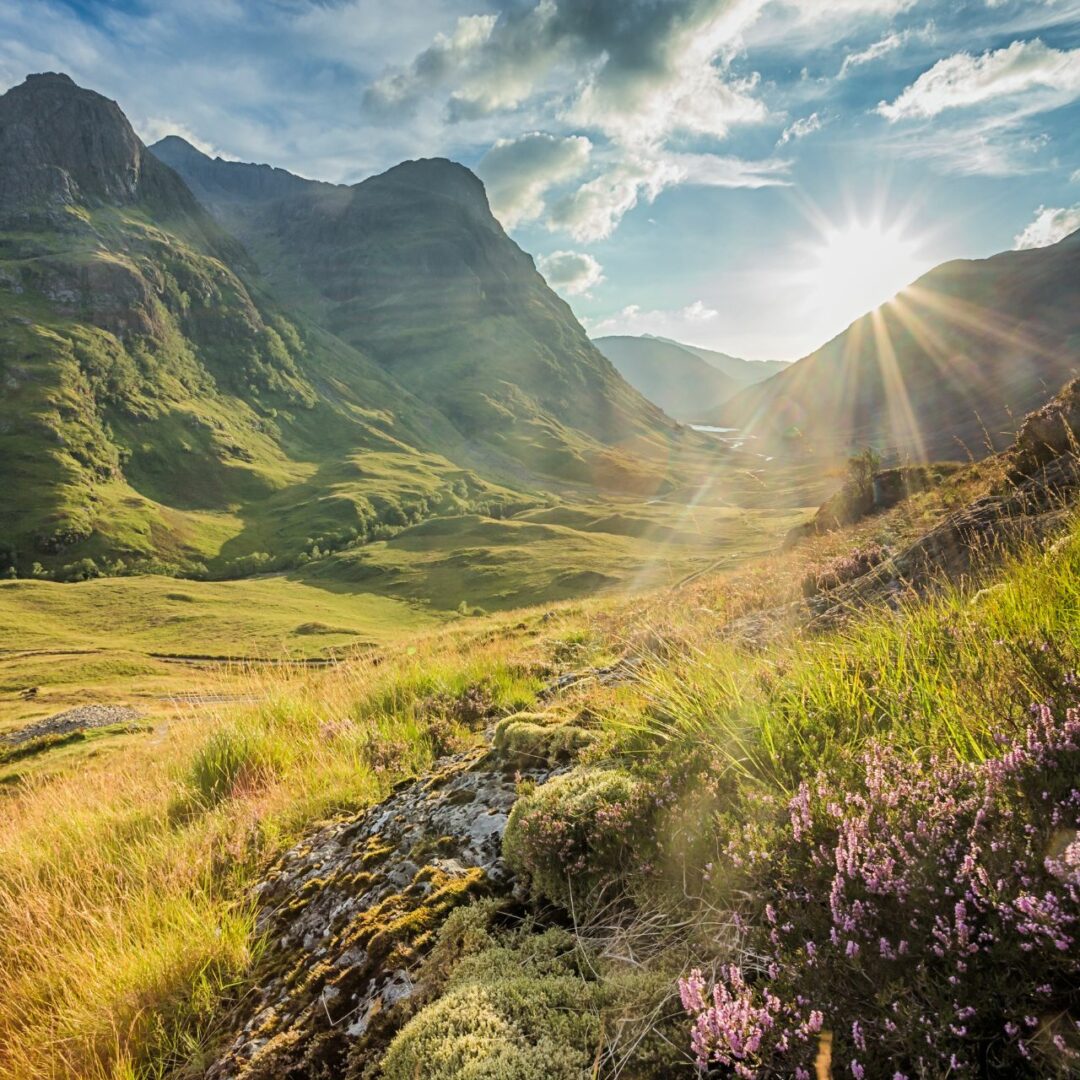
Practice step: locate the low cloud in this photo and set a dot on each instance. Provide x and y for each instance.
(807, 125)
(1051, 224)
(964, 80)
(573, 273)
(518, 173)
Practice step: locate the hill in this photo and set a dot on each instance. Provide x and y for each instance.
(673, 377)
(944, 369)
(743, 371)
(159, 407)
(412, 267)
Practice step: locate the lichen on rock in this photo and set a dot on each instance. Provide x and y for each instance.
(349, 914)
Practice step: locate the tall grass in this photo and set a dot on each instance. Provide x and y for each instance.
(124, 923)
(944, 673)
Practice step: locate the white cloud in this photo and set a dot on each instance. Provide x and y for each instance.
(594, 210)
(807, 125)
(963, 80)
(681, 324)
(1051, 224)
(152, 128)
(518, 173)
(573, 273)
(1075, 178)
(890, 43)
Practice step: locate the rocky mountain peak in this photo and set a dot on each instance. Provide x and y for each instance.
(62, 145)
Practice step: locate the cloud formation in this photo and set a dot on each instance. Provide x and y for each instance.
(518, 173)
(1051, 224)
(806, 125)
(572, 273)
(963, 80)
(681, 324)
(634, 74)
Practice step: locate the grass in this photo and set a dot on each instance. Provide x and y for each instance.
(931, 674)
(124, 918)
(123, 935)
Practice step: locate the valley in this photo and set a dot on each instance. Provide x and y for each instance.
(399, 683)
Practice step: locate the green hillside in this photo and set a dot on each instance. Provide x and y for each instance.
(159, 408)
(412, 267)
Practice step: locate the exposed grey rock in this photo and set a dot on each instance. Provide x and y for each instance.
(351, 909)
(85, 716)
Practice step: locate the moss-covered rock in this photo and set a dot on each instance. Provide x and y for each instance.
(574, 836)
(513, 1001)
(536, 738)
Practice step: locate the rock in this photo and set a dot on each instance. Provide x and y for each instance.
(78, 719)
(1047, 433)
(352, 908)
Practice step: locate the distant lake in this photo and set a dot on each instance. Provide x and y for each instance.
(713, 430)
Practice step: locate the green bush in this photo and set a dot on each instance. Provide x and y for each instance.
(575, 835)
(531, 739)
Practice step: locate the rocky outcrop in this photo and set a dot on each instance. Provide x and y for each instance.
(966, 541)
(1047, 433)
(852, 502)
(351, 910)
(62, 146)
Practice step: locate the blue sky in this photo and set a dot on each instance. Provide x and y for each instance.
(748, 175)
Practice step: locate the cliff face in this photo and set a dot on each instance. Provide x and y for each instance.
(62, 146)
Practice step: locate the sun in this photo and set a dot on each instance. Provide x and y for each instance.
(861, 264)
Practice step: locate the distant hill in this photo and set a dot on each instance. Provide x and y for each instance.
(945, 369)
(412, 267)
(672, 376)
(746, 372)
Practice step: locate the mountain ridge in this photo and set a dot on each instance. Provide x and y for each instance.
(411, 266)
(941, 370)
(160, 408)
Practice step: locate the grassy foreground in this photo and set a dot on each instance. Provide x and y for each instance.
(124, 919)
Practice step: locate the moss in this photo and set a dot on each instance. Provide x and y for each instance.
(526, 1004)
(574, 836)
(533, 739)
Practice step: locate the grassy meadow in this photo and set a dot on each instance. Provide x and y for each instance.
(124, 881)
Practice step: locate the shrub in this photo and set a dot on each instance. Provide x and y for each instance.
(576, 834)
(929, 918)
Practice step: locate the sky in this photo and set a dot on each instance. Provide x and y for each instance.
(745, 175)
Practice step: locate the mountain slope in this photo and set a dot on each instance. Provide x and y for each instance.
(412, 267)
(746, 372)
(945, 368)
(158, 407)
(673, 377)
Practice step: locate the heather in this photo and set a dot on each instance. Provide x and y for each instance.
(925, 916)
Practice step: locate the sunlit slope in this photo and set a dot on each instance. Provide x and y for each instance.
(412, 267)
(946, 368)
(159, 407)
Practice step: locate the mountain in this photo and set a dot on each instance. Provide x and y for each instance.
(945, 369)
(412, 267)
(159, 406)
(746, 372)
(672, 376)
